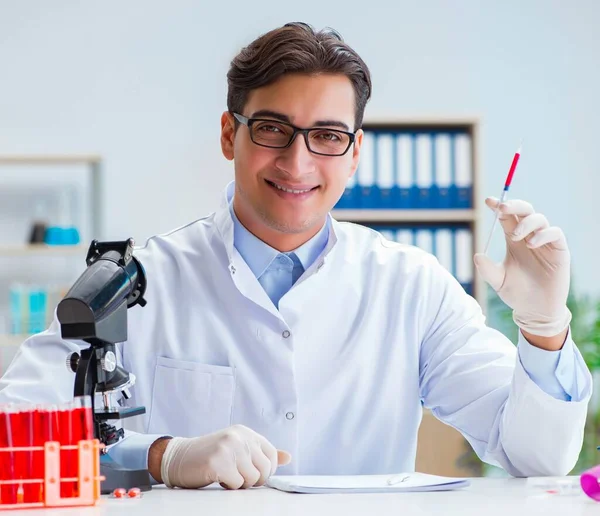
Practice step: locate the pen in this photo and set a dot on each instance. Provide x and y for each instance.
(397, 479)
(509, 177)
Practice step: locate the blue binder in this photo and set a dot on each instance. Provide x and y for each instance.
(384, 170)
(442, 165)
(424, 238)
(405, 235)
(423, 170)
(443, 248)
(463, 170)
(463, 246)
(406, 193)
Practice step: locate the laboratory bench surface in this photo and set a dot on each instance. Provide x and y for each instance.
(485, 496)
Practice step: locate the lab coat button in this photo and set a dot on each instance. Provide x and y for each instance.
(289, 415)
(232, 269)
(285, 334)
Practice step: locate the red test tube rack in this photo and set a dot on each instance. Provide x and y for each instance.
(48, 456)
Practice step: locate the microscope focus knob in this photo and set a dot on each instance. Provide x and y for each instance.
(109, 362)
(73, 361)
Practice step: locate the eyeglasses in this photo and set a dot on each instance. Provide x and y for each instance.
(280, 135)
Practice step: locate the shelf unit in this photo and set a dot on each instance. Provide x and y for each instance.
(41, 249)
(28, 254)
(469, 217)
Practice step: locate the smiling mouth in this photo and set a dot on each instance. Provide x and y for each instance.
(290, 190)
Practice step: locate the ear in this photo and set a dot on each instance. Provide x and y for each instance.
(356, 151)
(227, 134)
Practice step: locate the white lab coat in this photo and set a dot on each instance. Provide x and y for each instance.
(370, 333)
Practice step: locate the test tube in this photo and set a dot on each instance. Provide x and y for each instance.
(46, 429)
(8, 492)
(26, 439)
(68, 458)
(21, 435)
(83, 423)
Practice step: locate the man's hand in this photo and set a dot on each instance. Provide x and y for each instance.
(236, 457)
(534, 278)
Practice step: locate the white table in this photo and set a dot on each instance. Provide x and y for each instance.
(485, 497)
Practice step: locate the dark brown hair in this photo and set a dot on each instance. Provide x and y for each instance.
(296, 48)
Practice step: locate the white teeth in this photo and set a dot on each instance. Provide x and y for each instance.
(289, 190)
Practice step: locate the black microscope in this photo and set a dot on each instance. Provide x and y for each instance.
(95, 311)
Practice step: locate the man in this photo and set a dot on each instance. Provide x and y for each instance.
(275, 336)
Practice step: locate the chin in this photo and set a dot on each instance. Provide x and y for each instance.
(292, 226)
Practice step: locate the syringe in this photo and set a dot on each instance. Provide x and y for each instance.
(507, 183)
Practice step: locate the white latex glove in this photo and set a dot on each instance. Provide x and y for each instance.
(534, 278)
(236, 457)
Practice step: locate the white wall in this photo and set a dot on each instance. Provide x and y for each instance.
(142, 83)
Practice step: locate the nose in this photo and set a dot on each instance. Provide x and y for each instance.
(296, 159)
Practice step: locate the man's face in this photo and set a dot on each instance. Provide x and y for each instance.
(305, 101)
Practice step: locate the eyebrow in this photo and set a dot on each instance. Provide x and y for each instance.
(284, 118)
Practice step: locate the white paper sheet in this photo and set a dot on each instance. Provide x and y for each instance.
(406, 482)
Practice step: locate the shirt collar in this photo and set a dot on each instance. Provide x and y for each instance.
(259, 255)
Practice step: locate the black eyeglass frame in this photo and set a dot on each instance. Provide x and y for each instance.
(297, 130)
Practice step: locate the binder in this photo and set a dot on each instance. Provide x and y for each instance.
(405, 236)
(443, 248)
(424, 239)
(463, 164)
(424, 170)
(405, 171)
(443, 170)
(384, 171)
(366, 173)
(464, 264)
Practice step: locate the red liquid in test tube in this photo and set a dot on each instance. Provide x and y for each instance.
(75, 424)
(22, 435)
(30, 490)
(46, 429)
(8, 492)
(82, 418)
(68, 458)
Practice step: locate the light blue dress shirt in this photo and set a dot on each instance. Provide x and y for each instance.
(275, 271)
